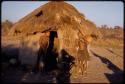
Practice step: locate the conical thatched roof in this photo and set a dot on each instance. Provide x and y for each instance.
(5, 27)
(51, 16)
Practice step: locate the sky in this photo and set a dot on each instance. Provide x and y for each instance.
(100, 12)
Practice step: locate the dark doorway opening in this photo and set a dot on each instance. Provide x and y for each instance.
(50, 60)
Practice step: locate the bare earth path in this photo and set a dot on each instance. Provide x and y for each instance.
(105, 66)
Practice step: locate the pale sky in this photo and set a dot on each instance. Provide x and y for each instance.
(100, 12)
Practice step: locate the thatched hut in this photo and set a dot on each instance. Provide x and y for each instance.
(5, 27)
(62, 21)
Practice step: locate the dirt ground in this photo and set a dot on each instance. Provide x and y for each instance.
(105, 66)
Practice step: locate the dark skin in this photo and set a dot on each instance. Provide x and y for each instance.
(43, 42)
(83, 55)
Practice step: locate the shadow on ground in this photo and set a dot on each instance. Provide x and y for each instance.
(117, 75)
(25, 74)
(111, 51)
(8, 52)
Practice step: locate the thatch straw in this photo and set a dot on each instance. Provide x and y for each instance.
(5, 27)
(52, 16)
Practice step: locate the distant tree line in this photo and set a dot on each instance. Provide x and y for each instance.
(115, 32)
(107, 27)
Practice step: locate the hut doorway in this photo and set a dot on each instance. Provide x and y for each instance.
(51, 62)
